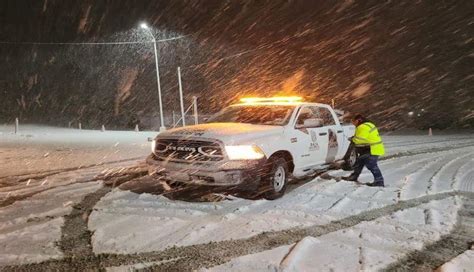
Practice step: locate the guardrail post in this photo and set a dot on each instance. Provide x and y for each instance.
(195, 110)
(17, 125)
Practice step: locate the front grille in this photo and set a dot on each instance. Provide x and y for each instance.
(188, 150)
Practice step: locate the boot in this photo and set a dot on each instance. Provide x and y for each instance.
(375, 184)
(350, 178)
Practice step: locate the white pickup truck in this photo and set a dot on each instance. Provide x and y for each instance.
(258, 144)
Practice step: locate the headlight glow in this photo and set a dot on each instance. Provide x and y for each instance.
(244, 152)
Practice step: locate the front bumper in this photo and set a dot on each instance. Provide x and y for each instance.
(225, 173)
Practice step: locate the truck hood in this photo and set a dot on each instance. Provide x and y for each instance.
(229, 133)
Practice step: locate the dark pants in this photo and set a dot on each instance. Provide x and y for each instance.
(370, 162)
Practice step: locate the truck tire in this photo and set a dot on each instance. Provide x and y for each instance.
(276, 179)
(350, 159)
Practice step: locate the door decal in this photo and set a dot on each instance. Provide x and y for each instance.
(314, 142)
(333, 146)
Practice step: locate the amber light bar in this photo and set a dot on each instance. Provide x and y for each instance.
(271, 99)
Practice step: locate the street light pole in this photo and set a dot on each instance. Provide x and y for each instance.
(162, 124)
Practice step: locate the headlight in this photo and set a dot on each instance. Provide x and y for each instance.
(153, 146)
(244, 152)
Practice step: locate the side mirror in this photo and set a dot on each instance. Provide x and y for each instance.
(313, 123)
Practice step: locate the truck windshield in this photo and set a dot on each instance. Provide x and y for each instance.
(273, 115)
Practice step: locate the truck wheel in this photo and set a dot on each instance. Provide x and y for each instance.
(276, 179)
(350, 159)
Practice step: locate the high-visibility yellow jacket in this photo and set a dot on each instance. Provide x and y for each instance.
(367, 134)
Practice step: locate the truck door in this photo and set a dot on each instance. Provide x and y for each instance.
(312, 137)
(335, 134)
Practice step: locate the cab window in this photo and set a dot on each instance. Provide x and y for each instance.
(326, 116)
(313, 112)
(305, 113)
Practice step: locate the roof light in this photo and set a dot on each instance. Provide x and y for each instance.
(286, 99)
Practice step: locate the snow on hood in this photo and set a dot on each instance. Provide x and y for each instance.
(229, 133)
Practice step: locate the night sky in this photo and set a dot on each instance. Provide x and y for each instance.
(381, 58)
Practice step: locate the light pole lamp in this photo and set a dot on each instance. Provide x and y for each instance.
(162, 125)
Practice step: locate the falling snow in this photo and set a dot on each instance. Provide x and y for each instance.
(81, 80)
(226, 50)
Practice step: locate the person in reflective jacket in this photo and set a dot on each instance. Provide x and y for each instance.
(369, 147)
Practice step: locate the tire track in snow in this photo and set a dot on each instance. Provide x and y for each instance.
(433, 168)
(417, 182)
(425, 151)
(47, 173)
(439, 172)
(12, 199)
(396, 164)
(442, 180)
(419, 142)
(215, 253)
(461, 173)
(76, 237)
(402, 178)
(336, 203)
(36, 189)
(467, 183)
(432, 256)
(348, 198)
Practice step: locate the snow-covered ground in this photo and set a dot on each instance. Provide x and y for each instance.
(416, 167)
(168, 222)
(39, 148)
(29, 229)
(368, 246)
(462, 263)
